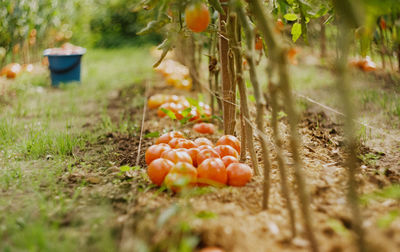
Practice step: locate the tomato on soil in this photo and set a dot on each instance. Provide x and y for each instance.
(182, 174)
(174, 142)
(156, 101)
(239, 174)
(229, 160)
(230, 140)
(177, 156)
(186, 144)
(168, 106)
(206, 154)
(193, 152)
(226, 150)
(165, 138)
(212, 170)
(206, 147)
(155, 151)
(158, 169)
(203, 141)
(197, 17)
(204, 128)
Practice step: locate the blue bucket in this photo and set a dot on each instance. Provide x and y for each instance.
(64, 68)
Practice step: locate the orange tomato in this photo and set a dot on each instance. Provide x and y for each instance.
(174, 142)
(155, 151)
(212, 170)
(239, 174)
(226, 150)
(11, 70)
(197, 17)
(279, 25)
(203, 141)
(168, 106)
(184, 168)
(230, 140)
(193, 152)
(206, 147)
(186, 144)
(206, 154)
(177, 156)
(204, 128)
(156, 101)
(165, 138)
(229, 160)
(258, 43)
(158, 169)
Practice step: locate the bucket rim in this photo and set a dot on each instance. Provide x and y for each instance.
(47, 52)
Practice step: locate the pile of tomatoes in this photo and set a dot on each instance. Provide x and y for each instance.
(177, 105)
(12, 70)
(180, 163)
(65, 49)
(365, 64)
(175, 74)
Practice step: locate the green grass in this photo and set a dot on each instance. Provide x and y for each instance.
(40, 128)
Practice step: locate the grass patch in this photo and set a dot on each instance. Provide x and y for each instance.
(39, 211)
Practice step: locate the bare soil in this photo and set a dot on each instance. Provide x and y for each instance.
(232, 218)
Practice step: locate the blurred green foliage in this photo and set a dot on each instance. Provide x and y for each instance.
(28, 26)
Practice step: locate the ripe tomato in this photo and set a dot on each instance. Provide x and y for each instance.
(177, 156)
(203, 141)
(177, 181)
(229, 140)
(239, 174)
(226, 150)
(165, 138)
(279, 25)
(181, 175)
(204, 128)
(156, 101)
(184, 168)
(186, 144)
(155, 151)
(212, 170)
(193, 152)
(174, 142)
(197, 17)
(12, 70)
(206, 154)
(158, 169)
(258, 43)
(205, 147)
(229, 160)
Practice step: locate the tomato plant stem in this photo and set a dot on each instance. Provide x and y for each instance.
(344, 91)
(244, 107)
(228, 94)
(278, 56)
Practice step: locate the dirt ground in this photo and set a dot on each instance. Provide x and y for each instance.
(232, 218)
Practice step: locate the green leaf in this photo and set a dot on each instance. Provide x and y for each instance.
(252, 98)
(338, 227)
(206, 215)
(290, 16)
(216, 5)
(153, 25)
(296, 31)
(152, 134)
(169, 113)
(186, 112)
(387, 219)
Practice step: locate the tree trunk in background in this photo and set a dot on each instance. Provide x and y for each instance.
(228, 87)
